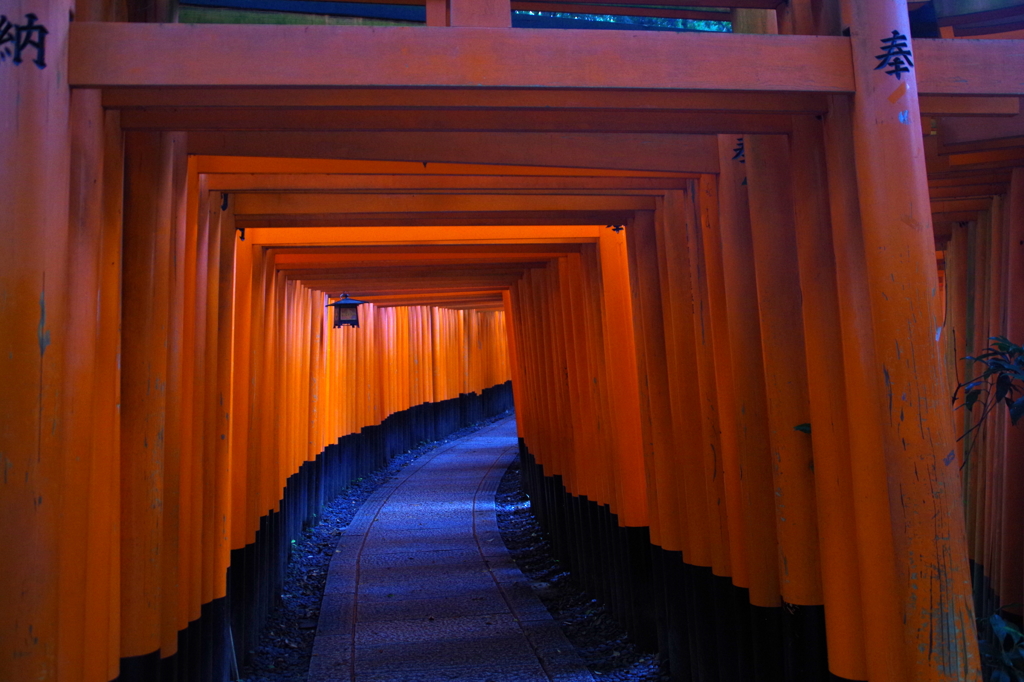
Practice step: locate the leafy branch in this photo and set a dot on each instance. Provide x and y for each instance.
(1001, 382)
(1001, 646)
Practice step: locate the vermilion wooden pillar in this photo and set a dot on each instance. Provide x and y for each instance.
(621, 373)
(826, 388)
(694, 418)
(175, 450)
(144, 328)
(1014, 482)
(933, 579)
(34, 163)
(107, 390)
(750, 402)
(883, 630)
(83, 629)
(668, 527)
(715, 333)
(782, 346)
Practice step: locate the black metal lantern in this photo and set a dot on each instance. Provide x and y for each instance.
(346, 311)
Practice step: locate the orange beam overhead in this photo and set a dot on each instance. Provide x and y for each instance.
(113, 54)
(327, 210)
(486, 120)
(116, 54)
(488, 234)
(503, 184)
(969, 67)
(299, 204)
(263, 164)
(462, 219)
(481, 99)
(475, 98)
(658, 152)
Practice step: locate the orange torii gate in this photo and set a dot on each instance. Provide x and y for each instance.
(462, 174)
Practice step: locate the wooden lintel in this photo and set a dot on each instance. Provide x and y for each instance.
(419, 220)
(1000, 158)
(965, 191)
(413, 273)
(281, 203)
(348, 166)
(639, 151)
(969, 67)
(949, 105)
(960, 205)
(423, 289)
(954, 217)
(105, 54)
(958, 134)
(412, 235)
(383, 285)
(232, 182)
(956, 178)
(418, 252)
(470, 98)
(436, 120)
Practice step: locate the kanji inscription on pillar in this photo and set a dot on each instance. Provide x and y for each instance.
(20, 40)
(895, 55)
(739, 153)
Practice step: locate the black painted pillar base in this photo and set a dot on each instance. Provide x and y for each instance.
(214, 646)
(703, 627)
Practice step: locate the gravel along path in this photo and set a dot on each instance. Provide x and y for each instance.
(285, 648)
(600, 641)
(287, 643)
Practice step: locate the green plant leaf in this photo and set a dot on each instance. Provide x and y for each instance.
(1002, 386)
(1016, 411)
(971, 397)
(803, 428)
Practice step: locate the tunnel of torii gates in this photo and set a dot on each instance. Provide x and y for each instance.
(676, 247)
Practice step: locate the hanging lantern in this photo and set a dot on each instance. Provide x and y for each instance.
(346, 311)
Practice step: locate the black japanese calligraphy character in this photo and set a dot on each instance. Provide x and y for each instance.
(32, 35)
(739, 154)
(895, 54)
(6, 36)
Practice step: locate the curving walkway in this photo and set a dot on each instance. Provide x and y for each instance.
(421, 588)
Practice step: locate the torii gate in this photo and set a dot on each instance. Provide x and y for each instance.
(629, 101)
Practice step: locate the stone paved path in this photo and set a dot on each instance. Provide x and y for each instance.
(421, 588)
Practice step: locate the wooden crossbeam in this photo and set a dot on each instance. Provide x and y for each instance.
(964, 191)
(498, 184)
(206, 55)
(332, 210)
(434, 120)
(969, 67)
(961, 205)
(554, 100)
(426, 253)
(470, 98)
(968, 178)
(179, 55)
(1001, 158)
(489, 219)
(298, 203)
(637, 151)
(264, 164)
(974, 107)
(524, 233)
